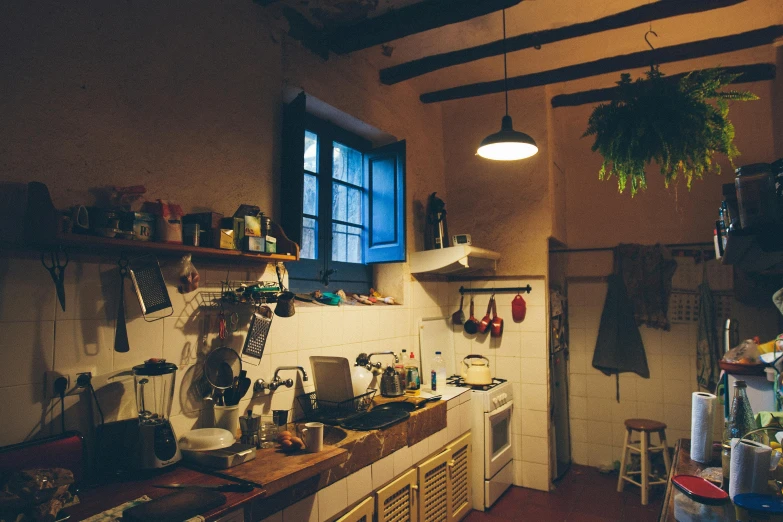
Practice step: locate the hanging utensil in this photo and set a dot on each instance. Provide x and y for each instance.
(497, 322)
(458, 317)
(121, 331)
(257, 333)
(56, 269)
(518, 308)
(471, 325)
(150, 286)
(483, 325)
(222, 324)
(220, 368)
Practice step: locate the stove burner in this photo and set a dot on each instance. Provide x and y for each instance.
(456, 380)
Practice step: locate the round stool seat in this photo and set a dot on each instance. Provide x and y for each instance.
(645, 425)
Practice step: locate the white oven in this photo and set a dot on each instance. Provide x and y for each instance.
(497, 439)
(493, 466)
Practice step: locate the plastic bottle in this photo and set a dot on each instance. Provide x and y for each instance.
(439, 367)
(400, 368)
(412, 378)
(741, 419)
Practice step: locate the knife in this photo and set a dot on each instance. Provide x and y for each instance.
(228, 488)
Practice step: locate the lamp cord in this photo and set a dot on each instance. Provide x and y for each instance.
(505, 65)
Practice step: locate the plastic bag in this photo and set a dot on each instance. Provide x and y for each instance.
(747, 352)
(188, 276)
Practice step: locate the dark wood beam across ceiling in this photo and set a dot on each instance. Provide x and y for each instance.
(412, 19)
(674, 53)
(756, 72)
(638, 15)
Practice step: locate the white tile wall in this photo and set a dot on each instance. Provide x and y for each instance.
(597, 427)
(359, 484)
(305, 510)
(521, 357)
(332, 499)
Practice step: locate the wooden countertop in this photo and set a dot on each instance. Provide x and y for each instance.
(275, 470)
(112, 493)
(683, 465)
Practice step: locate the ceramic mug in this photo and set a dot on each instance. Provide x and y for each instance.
(313, 435)
(227, 417)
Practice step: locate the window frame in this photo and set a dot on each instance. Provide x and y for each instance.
(354, 277)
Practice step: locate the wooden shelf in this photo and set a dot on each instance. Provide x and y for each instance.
(755, 252)
(39, 224)
(105, 244)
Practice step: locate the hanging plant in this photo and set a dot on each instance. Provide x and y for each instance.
(671, 123)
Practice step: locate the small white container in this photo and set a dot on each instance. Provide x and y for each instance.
(227, 418)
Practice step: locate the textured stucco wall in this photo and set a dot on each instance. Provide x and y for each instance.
(504, 205)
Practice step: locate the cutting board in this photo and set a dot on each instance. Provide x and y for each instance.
(436, 334)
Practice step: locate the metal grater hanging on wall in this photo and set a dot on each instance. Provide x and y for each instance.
(150, 287)
(257, 334)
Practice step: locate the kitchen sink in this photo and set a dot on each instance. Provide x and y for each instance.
(333, 435)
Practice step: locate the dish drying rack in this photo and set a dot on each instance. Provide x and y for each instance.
(330, 412)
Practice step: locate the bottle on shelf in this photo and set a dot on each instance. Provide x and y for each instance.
(412, 378)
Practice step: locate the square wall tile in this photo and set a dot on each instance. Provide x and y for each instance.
(332, 499)
(599, 454)
(332, 326)
(577, 407)
(534, 397)
(578, 430)
(419, 451)
(508, 368)
(453, 422)
(277, 517)
(577, 385)
(370, 324)
(403, 459)
(305, 510)
(509, 345)
(599, 432)
(437, 440)
(382, 471)
(26, 352)
(27, 292)
(310, 330)
(24, 405)
(284, 334)
(535, 449)
(533, 371)
(599, 409)
(649, 390)
(145, 340)
(535, 476)
(679, 392)
(359, 484)
(534, 345)
(601, 386)
(534, 423)
(579, 453)
(535, 319)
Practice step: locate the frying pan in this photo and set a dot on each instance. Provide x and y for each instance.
(458, 317)
(471, 325)
(394, 406)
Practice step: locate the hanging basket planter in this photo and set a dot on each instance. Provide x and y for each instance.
(679, 125)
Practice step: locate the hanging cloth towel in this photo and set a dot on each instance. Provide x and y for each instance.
(707, 348)
(619, 347)
(647, 273)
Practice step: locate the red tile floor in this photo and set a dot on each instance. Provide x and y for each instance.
(583, 495)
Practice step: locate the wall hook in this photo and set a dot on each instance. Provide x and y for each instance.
(652, 48)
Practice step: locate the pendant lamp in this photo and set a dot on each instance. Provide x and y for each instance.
(508, 144)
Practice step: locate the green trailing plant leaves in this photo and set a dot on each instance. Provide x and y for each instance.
(677, 125)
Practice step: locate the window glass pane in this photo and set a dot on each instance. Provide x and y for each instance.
(346, 204)
(310, 205)
(346, 243)
(311, 152)
(347, 164)
(309, 239)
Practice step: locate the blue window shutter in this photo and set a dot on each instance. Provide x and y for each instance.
(384, 209)
(291, 168)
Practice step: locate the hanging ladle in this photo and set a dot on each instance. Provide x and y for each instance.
(458, 317)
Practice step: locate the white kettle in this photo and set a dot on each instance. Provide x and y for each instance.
(475, 370)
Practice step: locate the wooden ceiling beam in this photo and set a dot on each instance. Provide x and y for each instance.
(638, 15)
(674, 53)
(412, 19)
(756, 72)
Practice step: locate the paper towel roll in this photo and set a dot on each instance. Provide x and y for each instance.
(749, 467)
(702, 419)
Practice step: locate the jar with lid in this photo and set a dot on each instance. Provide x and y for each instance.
(756, 197)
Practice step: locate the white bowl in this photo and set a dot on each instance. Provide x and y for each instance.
(206, 439)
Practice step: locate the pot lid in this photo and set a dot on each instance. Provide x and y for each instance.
(155, 367)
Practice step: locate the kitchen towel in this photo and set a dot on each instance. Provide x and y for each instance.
(702, 419)
(749, 467)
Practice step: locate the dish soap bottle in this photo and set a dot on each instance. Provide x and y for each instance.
(412, 379)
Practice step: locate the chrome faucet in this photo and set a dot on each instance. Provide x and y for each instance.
(277, 382)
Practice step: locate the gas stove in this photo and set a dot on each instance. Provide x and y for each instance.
(456, 380)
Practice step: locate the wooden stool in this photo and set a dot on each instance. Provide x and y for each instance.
(644, 427)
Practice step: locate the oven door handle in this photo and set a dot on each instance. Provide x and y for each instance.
(500, 411)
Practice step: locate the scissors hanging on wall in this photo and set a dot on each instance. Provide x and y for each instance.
(56, 268)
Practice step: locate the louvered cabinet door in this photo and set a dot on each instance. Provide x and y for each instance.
(361, 513)
(398, 501)
(459, 470)
(434, 489)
